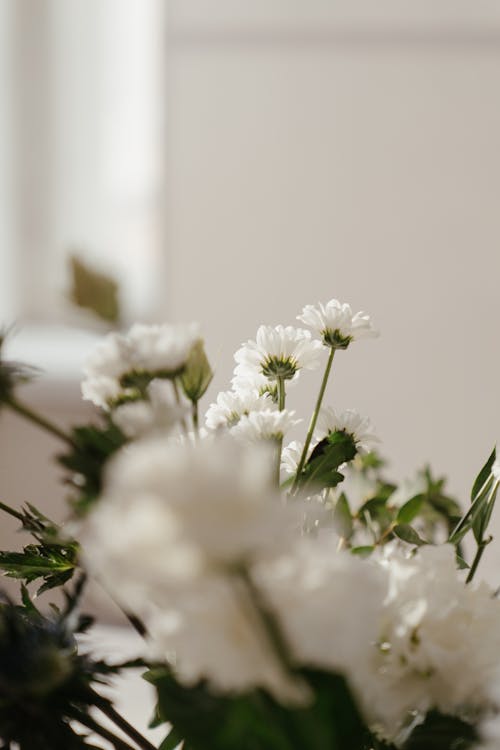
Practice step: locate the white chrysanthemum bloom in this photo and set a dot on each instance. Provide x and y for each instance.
(336, 323)
(159, 350)
(210, 631)
(269, 424)
(439, 642)
(171, 512)
(290, 457)
(278, 352)
(349, 421)
(160, 413)
(358, 486)
(230, 406)
(329, 603)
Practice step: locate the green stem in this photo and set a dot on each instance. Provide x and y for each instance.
(271, 627)
(314, 419)
(279, 441)
(196, 419)
(32, 416)
(179, 403)
(87, 721)
(476, 561)
(108, 710)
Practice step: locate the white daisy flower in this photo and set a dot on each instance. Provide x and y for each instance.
(230, 406)
(269, 424)
(155, 350)
(336, 323)
(159, 413)
(278, 352)
(349, 421)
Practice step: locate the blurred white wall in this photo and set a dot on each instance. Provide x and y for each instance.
(324, 149)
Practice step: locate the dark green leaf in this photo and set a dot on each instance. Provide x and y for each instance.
(172, 740)
(321, 470)
(440, 732)
(410, 510)
(408, 534)
(483, 475)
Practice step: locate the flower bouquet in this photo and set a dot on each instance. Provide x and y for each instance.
(288, 594)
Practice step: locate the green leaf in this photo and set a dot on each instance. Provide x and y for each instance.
(197, 374)
(342, 518)
(483, 475)
(172, 740)
(410, 510)
(321, 470)
(408, 534)
(364, 551)
(94, 291)
(441, 732)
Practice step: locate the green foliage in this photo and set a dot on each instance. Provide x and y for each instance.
(93, 446)
(44, 682)
(321, 470)
(12, 374)
(483, 498)
(197, 374)
(53, 558)
(94, 291)
(441, 732)
(256, 721)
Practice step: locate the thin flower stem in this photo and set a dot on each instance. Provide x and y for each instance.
(279, 441)
(32, 416)
(196, 419)
(271, 627)
(108, 710)
(314, 419)
(475, 562)
(87, 721)
(178, 401)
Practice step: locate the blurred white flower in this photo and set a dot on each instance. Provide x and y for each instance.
(160, 413)
(358, 486)
(230, 406)
(349, 421)
(336, 323)
(269, 424)
(172, 512)
(278, 352)
(290, 457)
(439, 642)
(160, 350)
(329, 603)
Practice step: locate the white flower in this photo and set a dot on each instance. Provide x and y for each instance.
(160, 413)
(172, 512)
(358, 486)
(210, 631)
(350, 422)
(329, 603)
(230, 406)
(439, 642)
(269, 424)
(158, 350)
(336, 323)
(278, 352)
(290, 457)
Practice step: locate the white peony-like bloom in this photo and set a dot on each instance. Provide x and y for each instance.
(278, 352)
(210, 631)
(439, 641)
(329, 603)
(349, 421)
(160, 350)
(230, 406)
(269, 424)
(336, 323)
(171, 512)
(160, 413)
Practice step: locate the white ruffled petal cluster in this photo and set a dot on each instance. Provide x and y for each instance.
(336, 323)
(230, 406)
(349, 421)
(160, 413)
(439, 641)
(155, 349)
(269, 424)
(279, 351)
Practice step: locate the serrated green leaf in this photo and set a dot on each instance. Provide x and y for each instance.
(410, 510)
(408, 534)
(197, 374)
